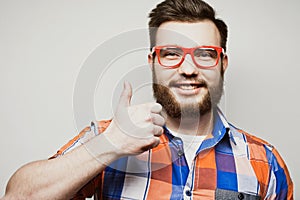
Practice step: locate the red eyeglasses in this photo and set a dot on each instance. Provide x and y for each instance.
(173, 56)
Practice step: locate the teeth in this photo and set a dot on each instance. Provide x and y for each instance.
(187, 87)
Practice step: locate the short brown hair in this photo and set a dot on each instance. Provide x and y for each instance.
(184, 11)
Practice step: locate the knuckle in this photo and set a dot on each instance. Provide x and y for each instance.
(162, 120)
(159, 120)
(153, 142)
(156, 142)
(154, 129)
(158, 130)
(161, 130)
(152, 116)
(156, 117)
(159, 106)
(151, 129)
(156, 107)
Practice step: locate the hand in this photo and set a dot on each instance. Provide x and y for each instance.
(135, 129)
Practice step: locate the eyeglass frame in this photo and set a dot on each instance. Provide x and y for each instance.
(220, 51)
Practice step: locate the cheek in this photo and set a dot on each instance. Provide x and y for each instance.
(162, 76)
(212, 76)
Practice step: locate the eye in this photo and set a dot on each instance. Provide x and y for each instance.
(170, 53)
(203, 53)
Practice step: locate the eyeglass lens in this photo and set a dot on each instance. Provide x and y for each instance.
(172, 56)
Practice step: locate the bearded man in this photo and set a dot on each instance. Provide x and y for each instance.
(180, 147)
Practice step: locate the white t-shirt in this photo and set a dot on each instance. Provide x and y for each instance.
(191, 144)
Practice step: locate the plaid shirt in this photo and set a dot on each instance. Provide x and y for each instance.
(230, 165)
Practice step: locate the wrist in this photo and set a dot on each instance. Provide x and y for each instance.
(102, 149)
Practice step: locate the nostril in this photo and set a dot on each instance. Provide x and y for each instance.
(188, 69)
(193, 75)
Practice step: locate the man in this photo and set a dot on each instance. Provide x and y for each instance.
(181, 147)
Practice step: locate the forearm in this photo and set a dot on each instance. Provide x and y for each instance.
(135, 130)
(59, 178)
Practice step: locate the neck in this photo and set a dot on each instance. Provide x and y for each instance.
(201, 125)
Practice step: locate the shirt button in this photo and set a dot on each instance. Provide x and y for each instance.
(241, 196)
(180, 153)
(188, 193)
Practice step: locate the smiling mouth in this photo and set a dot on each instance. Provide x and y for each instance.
(188, 86)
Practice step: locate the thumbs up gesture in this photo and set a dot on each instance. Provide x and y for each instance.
(135, 128)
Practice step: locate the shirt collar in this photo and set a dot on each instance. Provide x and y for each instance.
(221, 128)
(225, 123)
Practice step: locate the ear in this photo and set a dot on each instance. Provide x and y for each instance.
(150, 60)
(225, 62)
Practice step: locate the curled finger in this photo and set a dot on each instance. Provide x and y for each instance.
(157, 119)
(156, 108)
(157, 130)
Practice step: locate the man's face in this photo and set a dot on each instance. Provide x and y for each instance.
(188, 91)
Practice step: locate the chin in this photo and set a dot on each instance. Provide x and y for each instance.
(190, 100)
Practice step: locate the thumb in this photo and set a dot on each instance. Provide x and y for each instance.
(126, 94)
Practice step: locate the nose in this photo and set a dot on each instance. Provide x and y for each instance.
(188, 67)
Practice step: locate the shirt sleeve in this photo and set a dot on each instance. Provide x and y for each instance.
(280, 183)
(271, 171)
(96, 128)
(85, 135)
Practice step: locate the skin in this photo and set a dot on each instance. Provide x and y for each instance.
(188, 35)
(62, 177)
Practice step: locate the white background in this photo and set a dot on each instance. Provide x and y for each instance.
(44, 44)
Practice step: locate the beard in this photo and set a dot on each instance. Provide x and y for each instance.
(177, 110)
